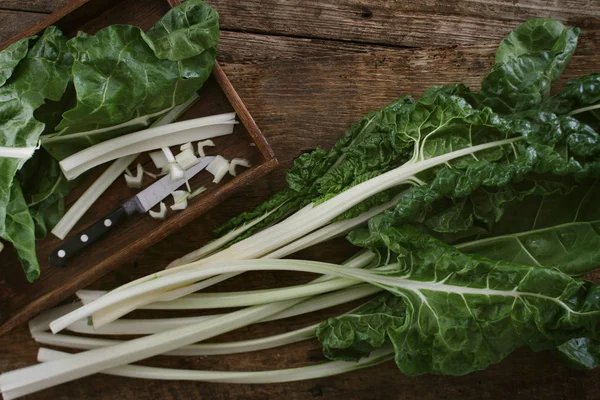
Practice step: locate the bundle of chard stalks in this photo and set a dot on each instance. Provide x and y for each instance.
(479, 218)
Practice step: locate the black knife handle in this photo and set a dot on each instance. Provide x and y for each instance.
(75, 244)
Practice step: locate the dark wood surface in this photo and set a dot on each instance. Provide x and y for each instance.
(306, 71)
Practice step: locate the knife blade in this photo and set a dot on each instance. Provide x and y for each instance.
(155, 193)
(140, 203)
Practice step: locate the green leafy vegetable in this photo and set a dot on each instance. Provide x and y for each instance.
(70, 94)
(464, 312)
(528, 61)
(42, 74)
(125, 78)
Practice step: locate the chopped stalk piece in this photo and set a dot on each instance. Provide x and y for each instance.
(176, 171)
(218, 168)
(238, 161)
(196, 192)
(1, 247)
(159, 159)
(135, 182)
(180, 200)
(168, 155)
(186, 159)
(161, 214)
(202, 145)
(187, 146)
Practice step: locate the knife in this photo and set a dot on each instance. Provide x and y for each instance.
(140, 203)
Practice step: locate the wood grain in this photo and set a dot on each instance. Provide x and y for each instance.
(37, 6)
(306, 72)
(16, 21)
(398, 23)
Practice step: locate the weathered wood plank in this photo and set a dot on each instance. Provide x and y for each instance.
(41, 6)
(249, 48)
(16, 21)
(427, 23)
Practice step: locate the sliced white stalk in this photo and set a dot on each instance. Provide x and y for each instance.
(161, 214)
(187, 146)
(156, 325)
(31, 379)
(24, 153)
(83, 203)
(147, 140)
(219, 167)
(216, 244)
(186, 159)
(159, 159)
(137, 326)
(90, 196)
(197, 192)
(41, 322)
(135, 182)
(112, 312)
(238, 161)
(200, 349)
(138, 295)
(1, 247)
(255, 297)
(176, 171)
(168, 155)
(196, 302)
(180, 200)
(329, 368)
(202, 145)
(332, 230)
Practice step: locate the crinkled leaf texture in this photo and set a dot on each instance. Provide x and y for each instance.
(528, 61)
(125, 78)
(41, 75)
(464, 312)
(553, 231)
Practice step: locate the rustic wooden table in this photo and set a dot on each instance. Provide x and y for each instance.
(306, 71)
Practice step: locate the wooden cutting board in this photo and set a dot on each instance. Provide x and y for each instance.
(21, 300)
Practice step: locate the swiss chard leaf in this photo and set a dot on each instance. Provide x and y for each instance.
(464, 312)
(125, 78)
(580, 353)
(19, 229)
(11, 56)
(41, 75)
(358, 333)
(185, 31)
(580, 98)
(555, 231)
(528, 61)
